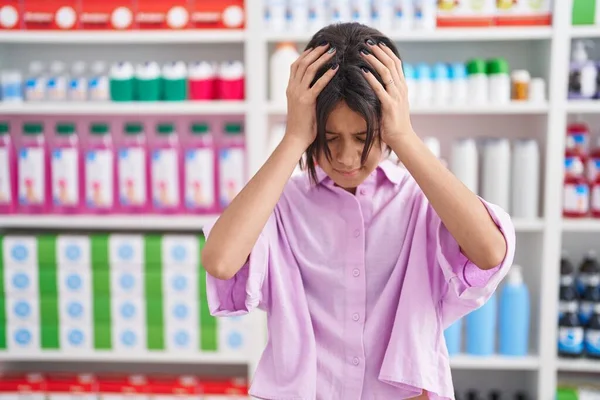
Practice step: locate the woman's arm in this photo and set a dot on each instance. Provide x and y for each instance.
(236, 231)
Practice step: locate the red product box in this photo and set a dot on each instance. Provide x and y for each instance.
(176, 386)
(230, 389)
(70, 384)
(135, 384)
(22, 384)
(106, 14)
(11, 14)
(217, 14)
(162, 14)
(50, 14)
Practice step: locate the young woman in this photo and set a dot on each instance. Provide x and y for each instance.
(360, 264)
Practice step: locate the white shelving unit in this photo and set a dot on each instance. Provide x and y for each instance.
(544, 50)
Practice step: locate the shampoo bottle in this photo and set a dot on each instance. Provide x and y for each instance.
(481, 329)
(514, 315)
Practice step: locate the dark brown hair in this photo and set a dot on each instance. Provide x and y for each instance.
(348, 85)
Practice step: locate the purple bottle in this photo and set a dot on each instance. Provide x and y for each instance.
(65, 167)
(132, 170)
(33, 176)
(8, 181)
(99, 171)
(200, 172)
(164, 170)
(232, 164)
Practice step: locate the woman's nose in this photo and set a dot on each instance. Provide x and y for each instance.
(347, 155)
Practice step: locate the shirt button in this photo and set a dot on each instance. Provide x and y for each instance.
(357, 233)
(363, 191)
(356, 272)
(355, 316)
(355, 361)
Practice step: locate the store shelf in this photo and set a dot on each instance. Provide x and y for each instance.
(124, 37)
(507, 109)
(585, 31)
(123, 357)
(111, 222)
(583, 106)
(495, 363)
(117, 108)
(581, 225)
(526, 225)
(583, 365)
(443, 35)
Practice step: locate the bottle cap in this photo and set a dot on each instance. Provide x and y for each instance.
(423, 71)
(440, 71)
(409, 71)
(99, 129)
(78, 67)
(497, 66)
(233, 129)
(65, 129)
(579, 53)
(200, 128)
(286, 45)
(515, 276)
(521, 75)
(32, 128)
(458, 71)
(476, 66)
(4, 128)
(36, 67)
(165, 129)
(133, 129)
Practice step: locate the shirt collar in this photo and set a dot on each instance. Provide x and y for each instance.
(390, 170)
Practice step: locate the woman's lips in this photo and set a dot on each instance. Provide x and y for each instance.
(349, 173)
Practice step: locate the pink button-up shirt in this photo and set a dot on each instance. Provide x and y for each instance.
(358, 290)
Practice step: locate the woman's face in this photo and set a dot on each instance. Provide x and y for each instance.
(346, 132)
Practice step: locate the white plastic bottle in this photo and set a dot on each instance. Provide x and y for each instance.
(403, 15)
(441, 84)
(458, 84)
(12, 84)
(499, 81)
(411, 82)
(317, 15)
(57, 82)
(298, 15)
(383, 15)
(35, 86)
(425, 12)
(424, 85)
(582, 73)
(276, 15)
(340, 11)
(78, 86)
(98, 84)
(464, 163)
(361, 11)
(496, 172)
(525, 179)
(281, 60)
(477, 82)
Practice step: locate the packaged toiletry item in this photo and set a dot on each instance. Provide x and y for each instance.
(35, 85)
(463, 13)
(523, 13)
(570, 332)
(459, 84)
(202, 77)
(297, 20)
(410, 77)
(215, 14)
(200, 169)
(78, 84)
(64, 169)
(164, 171)
(495, 182)
(231, 81)
(147, 83)
(175, 84)
(499, 81)
(361, 11)
(281, 60)
(576, 191)
(592, 334)
(8, 173)
(424, 96)
(122, 81)
(50, 14)
(340, 11)
(425, 14)
(132, 170)
(481, 329)
(99, 170)
(162, 14)
(578, 139)
(317, 15)
(525, 179)
(568, 290)
(11, 90)
(276, 12)
(514, 315)
(98, 84)
(464, 163)
(520, 85)
(33, 170)
(106, 14)
(478, 85)
(582, 73)
(402, 14)
(232, 164)
(57, 82)
(589, 270)
(591, 297)
(11, 14)
(441, 84)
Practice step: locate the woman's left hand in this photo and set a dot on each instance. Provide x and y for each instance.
(393, 94)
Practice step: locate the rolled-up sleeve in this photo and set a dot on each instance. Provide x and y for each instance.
(248, 288)
(469, 287)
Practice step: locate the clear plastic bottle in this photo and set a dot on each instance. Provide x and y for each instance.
(200, 170)
(98, 83)
(78, 82)
(57, 82)
(132, 170)
(164, 170)
(100, 172)
(35, 85)
(65, 166)
(232, 164)
(33, 170)
(8, 174)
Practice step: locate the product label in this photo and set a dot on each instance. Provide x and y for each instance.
(99, 179)
(31, 176)
(592, 342)
(231, 163)
(5, 174)
(126, 250)
(165, 178)
(199, 178)
(576, 198)
(106, 14)
(65, 179)
(570, 340)
(180, 250)
(173, 14)
(46, 14)
(132, 176)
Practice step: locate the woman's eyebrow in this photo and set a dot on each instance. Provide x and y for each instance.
(336, 133)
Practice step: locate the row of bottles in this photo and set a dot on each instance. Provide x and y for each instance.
(502, 321)
(579, 307)
(492, 395)
(142, 170)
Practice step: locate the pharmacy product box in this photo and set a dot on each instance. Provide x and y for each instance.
(523, 13)
(162, 14)
(184, 388)
(463, 13)
(126, 250)
(50, 14)
(71, 386)
(20, 251)
(217, 14)
(123, 387)
(584, 12)
(22, 386)
(106, 14)
(180, 250)
(11, 14)
(231, 389)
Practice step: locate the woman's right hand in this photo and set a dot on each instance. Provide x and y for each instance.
(302, 98)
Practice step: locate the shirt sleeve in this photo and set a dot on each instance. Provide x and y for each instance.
(467, 286)
(248, 288)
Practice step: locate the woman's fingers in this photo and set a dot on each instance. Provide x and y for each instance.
(323, 81)
(380, 91)
(386, 74)
(395, 60)
(294, 66)
(300, 66)
(312, 69)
